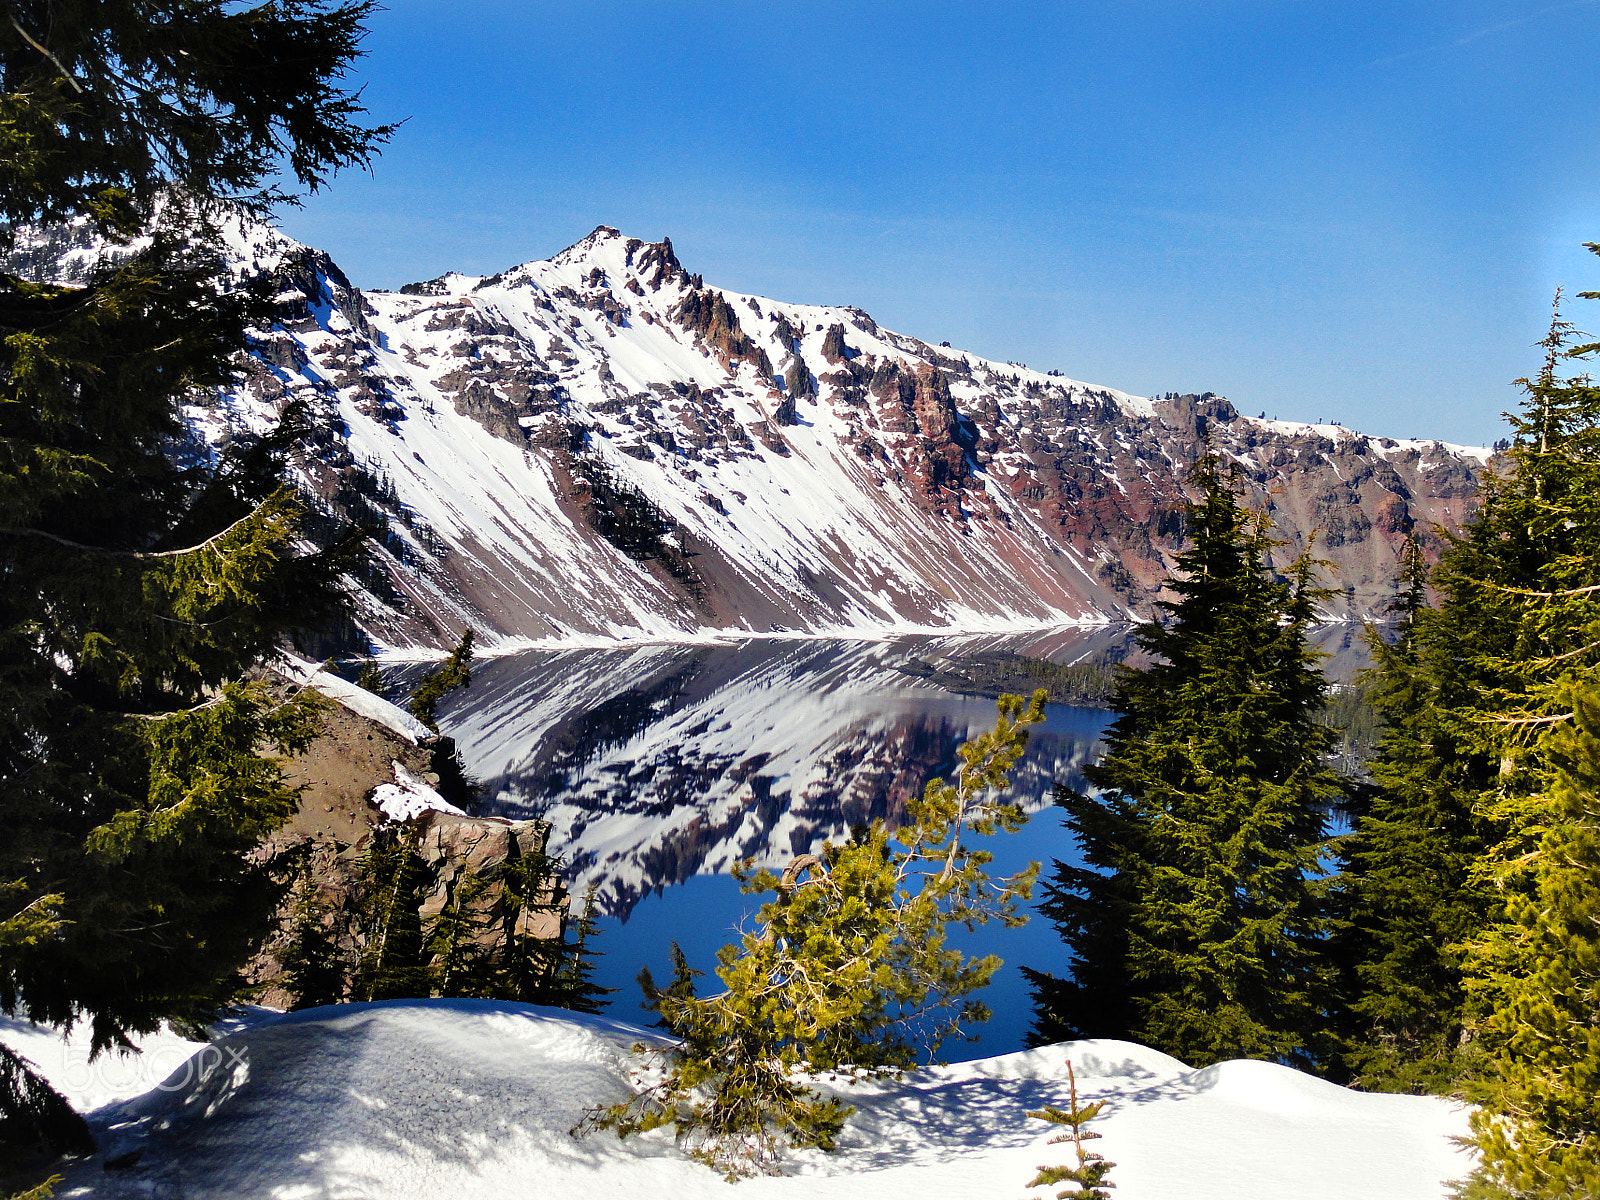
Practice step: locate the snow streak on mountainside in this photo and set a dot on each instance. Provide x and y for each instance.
(601, 445)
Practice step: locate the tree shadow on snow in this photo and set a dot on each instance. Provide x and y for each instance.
(926, 1117)
(346, 1109)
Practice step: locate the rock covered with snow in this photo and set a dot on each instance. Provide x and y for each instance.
(424, 1099)
(408, 796)
(357, 699)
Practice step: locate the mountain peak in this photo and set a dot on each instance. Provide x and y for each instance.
(595, 445)
(584, 247)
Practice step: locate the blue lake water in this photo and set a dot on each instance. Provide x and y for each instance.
(704, 912)
(661, 766)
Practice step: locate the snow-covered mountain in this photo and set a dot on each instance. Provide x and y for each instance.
(602, 445)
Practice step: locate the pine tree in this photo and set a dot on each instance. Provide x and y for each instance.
(138, 591)
(475, 945)
(1406, 881)
(316, 970)
(1196, 925)
(34, 1117)
(1091, 1170)
(455, 785)
(1536, 973)
(393, 965)
(845, 972)
(456, 672)
(1522, 597)
(36, 1121)
(1526, 584)
(1463, 783)
(451, 948)
(681, 989)
(574, 985)
(528, 968)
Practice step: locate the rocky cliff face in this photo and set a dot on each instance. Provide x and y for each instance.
(602, 445)
(369, 772)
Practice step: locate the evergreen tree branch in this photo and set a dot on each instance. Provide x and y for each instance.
(135, 555)
(841, 973)
(65, 74)
(1531, 594)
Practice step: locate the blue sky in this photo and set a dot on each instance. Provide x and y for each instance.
(1343, 210)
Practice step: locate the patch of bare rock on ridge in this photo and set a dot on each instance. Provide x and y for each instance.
(603, 444)
(370, 775)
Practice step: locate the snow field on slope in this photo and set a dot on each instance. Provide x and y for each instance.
(784, 513)
(425, 1099)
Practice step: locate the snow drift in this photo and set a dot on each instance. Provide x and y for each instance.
(459, 1097)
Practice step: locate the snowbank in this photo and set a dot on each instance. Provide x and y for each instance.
(460, 1097)
(409, 797)
(357, 699)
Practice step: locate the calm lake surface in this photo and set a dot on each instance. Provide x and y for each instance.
(660, 766)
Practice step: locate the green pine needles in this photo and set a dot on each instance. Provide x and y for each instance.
(1197, 923)
(455, 672)
(1090, 1173)
(141, 591)
(1536, 973)
(392, 936)
(846, 972)
(1405, 898)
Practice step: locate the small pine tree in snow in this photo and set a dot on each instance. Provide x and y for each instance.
(846, 971)
(1090, 1173)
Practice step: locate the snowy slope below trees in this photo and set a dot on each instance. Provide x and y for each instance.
(475, 1098)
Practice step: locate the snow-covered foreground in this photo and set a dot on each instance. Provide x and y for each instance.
(475, 1098)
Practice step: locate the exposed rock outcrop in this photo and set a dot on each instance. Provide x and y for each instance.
(368, 758)
(707, 314)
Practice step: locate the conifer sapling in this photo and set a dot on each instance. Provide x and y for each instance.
(1090, 1173)
(845, 973)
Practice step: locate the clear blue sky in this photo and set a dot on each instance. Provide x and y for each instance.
(1320, 208)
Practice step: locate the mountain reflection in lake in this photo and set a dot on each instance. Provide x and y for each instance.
(660, 766)
(655, 763)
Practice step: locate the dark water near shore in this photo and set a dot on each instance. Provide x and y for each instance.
(660, 766)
